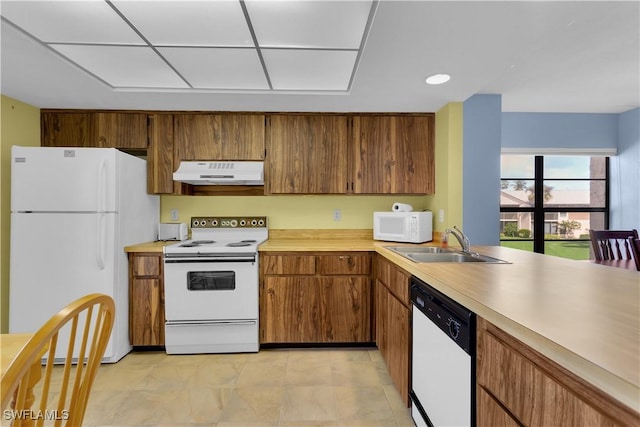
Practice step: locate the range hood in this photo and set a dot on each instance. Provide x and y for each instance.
(220, 173)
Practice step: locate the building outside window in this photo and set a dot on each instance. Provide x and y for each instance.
(549, 203)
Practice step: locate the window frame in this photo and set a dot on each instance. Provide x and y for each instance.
(538, 210)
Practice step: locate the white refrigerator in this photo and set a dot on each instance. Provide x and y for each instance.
(73, 210)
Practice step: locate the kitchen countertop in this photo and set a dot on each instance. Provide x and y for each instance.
(583, 316)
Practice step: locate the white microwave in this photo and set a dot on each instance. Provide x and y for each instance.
(412, 227)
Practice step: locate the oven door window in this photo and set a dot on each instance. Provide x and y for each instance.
(211, 280)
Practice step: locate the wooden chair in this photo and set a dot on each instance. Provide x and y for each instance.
(88, 321)
(635, 249)
(612, 244)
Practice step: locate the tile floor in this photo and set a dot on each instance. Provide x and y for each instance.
(277, 387)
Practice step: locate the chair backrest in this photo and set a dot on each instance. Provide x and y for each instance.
(635, 249)
(29, 395)
(612, 244)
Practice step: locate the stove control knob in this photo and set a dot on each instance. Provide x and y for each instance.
(254, 222)
(243, 223)
(234, 223)
(196, 223)
(214, 223)
(261, 222)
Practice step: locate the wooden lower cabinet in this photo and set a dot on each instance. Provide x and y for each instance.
(146, 299)
(516, 385)
(315, 298)
(393, 322)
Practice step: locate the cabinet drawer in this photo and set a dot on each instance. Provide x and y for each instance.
(146, 265)
(347, 263)
(288, 264)
(395, 279)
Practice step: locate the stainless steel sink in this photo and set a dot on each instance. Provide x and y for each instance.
(436, 254)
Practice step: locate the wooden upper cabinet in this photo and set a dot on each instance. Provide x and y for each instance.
(126, 131)
(160, 154)
(393, 154)
(307, 154)
(219, 137)
(67, 129)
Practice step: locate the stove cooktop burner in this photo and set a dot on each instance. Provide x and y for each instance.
(197, 243)
(241, 243)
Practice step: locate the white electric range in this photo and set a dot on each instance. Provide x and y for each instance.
(211, 286)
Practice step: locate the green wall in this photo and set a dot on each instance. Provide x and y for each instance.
(19, 125)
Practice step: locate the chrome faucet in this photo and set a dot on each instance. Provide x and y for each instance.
(464, 241)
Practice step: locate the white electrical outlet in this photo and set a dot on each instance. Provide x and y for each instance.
(174, 214)
(441, 215)
(337, 214)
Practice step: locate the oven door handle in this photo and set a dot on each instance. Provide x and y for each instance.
(177, 259)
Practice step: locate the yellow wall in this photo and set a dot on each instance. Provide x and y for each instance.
(295, 212)
(448, 195)
(19, 125)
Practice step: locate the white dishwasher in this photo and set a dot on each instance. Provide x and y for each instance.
(443, 359)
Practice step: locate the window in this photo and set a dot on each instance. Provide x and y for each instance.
(548, 204)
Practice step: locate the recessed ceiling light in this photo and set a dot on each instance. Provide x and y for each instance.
(437, 79)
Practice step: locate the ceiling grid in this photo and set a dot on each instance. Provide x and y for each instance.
(222, 45)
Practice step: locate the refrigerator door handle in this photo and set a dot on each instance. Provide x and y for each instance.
(101, 182)
(101, 240)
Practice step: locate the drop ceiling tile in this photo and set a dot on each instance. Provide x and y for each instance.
(218, 68)
(123, 66)
(324, 24)
(70, 21)
(189, 23)
(291, 69)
